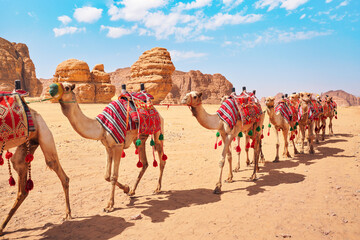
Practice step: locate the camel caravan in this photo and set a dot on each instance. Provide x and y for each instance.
(133, 119)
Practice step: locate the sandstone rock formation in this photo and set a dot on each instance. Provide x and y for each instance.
(213, 86)
(153, 68)
(90, 87)
(15, 63)
(343, 98)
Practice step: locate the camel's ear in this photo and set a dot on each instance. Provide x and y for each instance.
(72, 86)
(199, 95)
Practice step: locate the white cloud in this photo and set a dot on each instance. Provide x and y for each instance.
(328, 1)
(180, 55)
(277, 36)
(117, 32)
(67, 30)
(87, 14)
(203, 38)
(343, 4)
(194, 4)
(227, 19)
(64, 19)
(287, 4)
(134, 10)
(303, 16)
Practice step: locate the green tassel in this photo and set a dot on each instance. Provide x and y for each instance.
(138, 142)
(297, 123)
(269, 125)
(263, 126)
(161, 137)
(295, 127)
(335, 112)
(240, 134)
(258, 129)
(291, 129)
(152, 142)
(250, 133)
(217, 134)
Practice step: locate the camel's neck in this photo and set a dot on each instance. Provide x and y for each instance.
(84, 126)
(209, 121)
(271, 113)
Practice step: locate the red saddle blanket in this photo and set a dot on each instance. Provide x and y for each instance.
(15, 117)
(285, 110)
(149, 118)
(249, 108)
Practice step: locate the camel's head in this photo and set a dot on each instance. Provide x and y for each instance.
(305, 97)
(327, 99)
(294, 97)
(192, 99)
(61, 91)
(270, 102)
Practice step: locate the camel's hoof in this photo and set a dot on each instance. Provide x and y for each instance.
(296, 152)
(67, 217)
(311, 151)
(157, 191)
(253, 178)
(126, 189)
(131, 193)
(229, 180)
(236, 170)
(217, 190)
(1, 233)
(108, 209)
(276, 160)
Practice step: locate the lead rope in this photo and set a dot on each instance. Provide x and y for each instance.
(29, 157)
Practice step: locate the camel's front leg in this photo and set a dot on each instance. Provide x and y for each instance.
(286, 143)
(226, 141)
(311, 138)
(47, 145)
(21, 168)
(229, 158)
(323, 126)
(143, 159)
(330, 127)
(302, 130)
(116, 153)
(159, 148)
(256, 158)
(277, 145)
(262, 154)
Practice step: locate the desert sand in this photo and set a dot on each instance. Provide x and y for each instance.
(304, 197)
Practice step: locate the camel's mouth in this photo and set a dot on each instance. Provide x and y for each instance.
(184, 100)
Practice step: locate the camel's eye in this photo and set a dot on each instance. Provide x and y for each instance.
(67, 88)
(195, 97)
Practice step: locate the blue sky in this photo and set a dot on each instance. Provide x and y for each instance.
(269, 45)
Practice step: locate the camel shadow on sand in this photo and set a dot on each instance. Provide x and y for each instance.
(158, 209)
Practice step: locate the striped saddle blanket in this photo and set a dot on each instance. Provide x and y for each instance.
(15, 118)
(285, 110)
(228, 112)
(312, 113)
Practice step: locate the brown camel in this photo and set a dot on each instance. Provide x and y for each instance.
(329, 112)
(213, 122)
(279, 122)
(304, 122)
(92, 129)
(42, 137)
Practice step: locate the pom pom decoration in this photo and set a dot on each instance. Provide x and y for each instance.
(29, 185)
(152, 142)
(123, 154)
(161, 137)
(248, 145)
(217, 134)
(136, 151)
(155, 164)
(238, 149)
(139, 164)
(291, 129)
(269, 133)
(262, 136)
(306, 127)
(250, 133)
(1, 160)
(164, 157)
(296, 132)
(253, 144)
(258, 129)
(263, 126)
(240, 134)
(29, 157)
(138, 142)
(335, 117)
(220, 143)
(269, 125)
(8, 155)
(12, 181)
(215, 147)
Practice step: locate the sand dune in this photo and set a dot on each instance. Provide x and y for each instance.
(305, 197)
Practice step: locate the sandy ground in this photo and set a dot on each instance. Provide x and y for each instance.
(305, 197)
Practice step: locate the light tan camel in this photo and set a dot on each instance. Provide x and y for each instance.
(279, 123)
(213, 122)
(41, 136)
(92, 129)
(329, 112)
(305, 122)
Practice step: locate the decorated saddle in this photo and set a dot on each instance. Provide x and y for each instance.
(283, 106)
(15, 118)
(244, 107)
(315, 110)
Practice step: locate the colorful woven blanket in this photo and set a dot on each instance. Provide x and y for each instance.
(249, 108)
(228, 112)
(285, 111)
(15, 117)
(113, 119)
(149, 118)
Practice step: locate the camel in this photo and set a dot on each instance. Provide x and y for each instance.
(92, 129)
(279, 122)
(319, 119)
(42, 137)
(305, 122)
(214, 122)
(329, 112)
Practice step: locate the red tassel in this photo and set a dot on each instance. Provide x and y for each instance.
(234, 139)
(29, 185)
(1, 160)
(262, 136)
(164, 157)
(335, 117)
(220, 142)
(279, 129)
(296, 132)
(253, 144)
(123, 154)
(248, 145)
(29, 158)
(215, 147)
(11, 181)
(155, 164)
(238, 149)
(139, 164)
(269, 133)
(8, 155)
(306, 127)
(136, 151)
